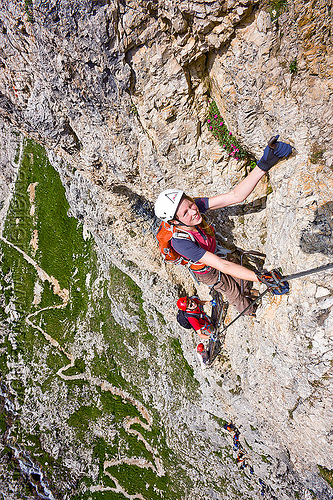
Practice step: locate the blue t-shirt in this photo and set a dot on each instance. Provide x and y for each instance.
(191, 250)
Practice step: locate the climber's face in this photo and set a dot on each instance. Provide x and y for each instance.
(188, 213)
(191, 305)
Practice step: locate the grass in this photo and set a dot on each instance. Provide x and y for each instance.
(327, 474)
(118, 407)
(3, 423)
(133, 478)
(81, 417)
(79, 367)
(120, 282)
(100, 495)
(265, 459)
(181, 373)
(293, 67)
(236, 391)
(61, 248)
(63, 253)
(144, 480)
(316, 154)
(28, 6)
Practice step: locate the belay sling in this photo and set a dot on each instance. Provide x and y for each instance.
(164, 234)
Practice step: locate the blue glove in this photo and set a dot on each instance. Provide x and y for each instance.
(213, 302)
(213, 337)
(273, 153)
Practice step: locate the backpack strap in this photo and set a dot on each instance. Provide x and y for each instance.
(183, 235)
(200, 315)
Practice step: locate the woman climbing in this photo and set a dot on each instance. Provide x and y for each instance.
(193, 239)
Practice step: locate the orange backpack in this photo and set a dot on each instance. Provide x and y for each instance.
(164, 234)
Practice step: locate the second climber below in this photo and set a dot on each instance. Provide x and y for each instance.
(194, 239)
(192, 307)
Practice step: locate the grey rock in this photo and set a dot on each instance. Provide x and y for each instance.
(119, 93)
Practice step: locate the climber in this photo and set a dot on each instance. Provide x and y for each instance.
(229, 427)
(195, 315)
(188, 235)
(203, 353)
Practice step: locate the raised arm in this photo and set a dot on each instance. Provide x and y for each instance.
(239, 193)
(226, 267)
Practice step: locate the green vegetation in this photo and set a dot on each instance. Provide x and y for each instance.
(137, 479)
(293, 67)
(221, 422)
(252, 164)
(3, 423)
(227, 141)
(28, 6)
(86, 327)
(182, 373)
(161, 318)
(118, 407)
(265, 459)
(276, 8)
(127, 290)
(82, 417)
(316, 154)
(236, 390)
(61, 252)
(269, 190)
(247, 444)
(79, 367)
(327, 474)
(134, 110)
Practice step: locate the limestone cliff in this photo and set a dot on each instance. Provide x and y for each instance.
(118, 92)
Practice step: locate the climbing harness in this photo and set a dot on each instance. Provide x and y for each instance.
(164, 235)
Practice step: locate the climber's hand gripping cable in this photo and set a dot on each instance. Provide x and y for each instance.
(273, 281)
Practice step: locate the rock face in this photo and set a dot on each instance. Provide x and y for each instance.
(117, 92)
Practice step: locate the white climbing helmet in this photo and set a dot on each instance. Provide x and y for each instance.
(167, 203)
